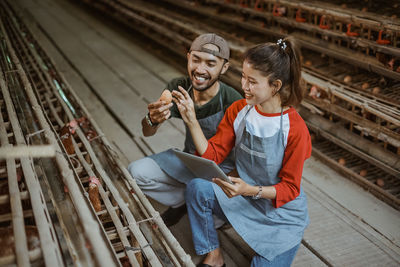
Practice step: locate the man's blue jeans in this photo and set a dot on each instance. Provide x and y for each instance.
(202, 204)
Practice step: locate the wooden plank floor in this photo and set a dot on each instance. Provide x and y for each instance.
(116, 78)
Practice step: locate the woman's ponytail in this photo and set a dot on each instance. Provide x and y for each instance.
(296, 91)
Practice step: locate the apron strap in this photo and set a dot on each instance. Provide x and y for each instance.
(220, 99)
(281, 128)
(242, 127)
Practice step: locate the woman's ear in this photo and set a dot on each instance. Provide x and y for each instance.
(277, 85)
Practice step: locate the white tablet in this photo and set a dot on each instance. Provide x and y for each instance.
(201, 167)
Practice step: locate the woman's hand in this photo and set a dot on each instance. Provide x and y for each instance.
(239, 187)
(185, 105)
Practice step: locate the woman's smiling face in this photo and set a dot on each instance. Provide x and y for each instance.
(255, 85)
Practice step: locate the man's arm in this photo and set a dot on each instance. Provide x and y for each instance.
(147, 129)
(158, 113)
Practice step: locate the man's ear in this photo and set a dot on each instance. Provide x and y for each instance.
(188, 55)
(225, 67)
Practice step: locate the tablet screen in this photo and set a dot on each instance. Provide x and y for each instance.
(201, 167)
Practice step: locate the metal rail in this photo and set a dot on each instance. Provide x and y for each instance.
(137, 234)
(21, 173)
(359, 32)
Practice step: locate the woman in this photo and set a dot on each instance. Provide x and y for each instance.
(266, 205)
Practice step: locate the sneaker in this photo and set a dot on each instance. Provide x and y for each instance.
(173, 215)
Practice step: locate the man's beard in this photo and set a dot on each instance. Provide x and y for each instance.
(212, 82)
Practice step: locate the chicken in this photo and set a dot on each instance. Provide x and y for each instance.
(66, 133)
(7, 240)
(94, 195)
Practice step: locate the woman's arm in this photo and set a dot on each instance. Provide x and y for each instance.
(186, 107)
(298, 149)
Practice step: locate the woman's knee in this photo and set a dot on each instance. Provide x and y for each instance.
(198, 189)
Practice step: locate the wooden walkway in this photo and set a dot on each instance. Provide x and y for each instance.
(116, 78)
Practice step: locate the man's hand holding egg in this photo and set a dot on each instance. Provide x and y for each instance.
(159, 110)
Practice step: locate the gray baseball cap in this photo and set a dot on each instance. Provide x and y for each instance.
(211, 38)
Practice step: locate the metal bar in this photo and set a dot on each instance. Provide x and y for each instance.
(50, 249)
(174, 245)
(92, 229)
(110, 208)
(37, 151)
(383, 159)
(18, 224)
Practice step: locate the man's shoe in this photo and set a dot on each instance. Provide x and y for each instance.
(172, 215)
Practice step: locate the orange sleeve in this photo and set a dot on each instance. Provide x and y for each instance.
(298, 149)
(221, 144)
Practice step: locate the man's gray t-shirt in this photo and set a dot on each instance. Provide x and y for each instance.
(227, 94)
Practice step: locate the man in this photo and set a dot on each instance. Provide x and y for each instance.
(163, 176)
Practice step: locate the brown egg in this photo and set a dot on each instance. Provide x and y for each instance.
(363, 173)
(376, 90)
(347, 79)
(380, 182)
(308, 63)
(382, 82)
(364, 9)
(365, 86)
(342, 161)
(166, 96)
(314, 92)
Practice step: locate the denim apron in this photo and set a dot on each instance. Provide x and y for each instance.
(269, 231)
(174, 167)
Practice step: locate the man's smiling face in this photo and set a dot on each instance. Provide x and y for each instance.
(204, 68)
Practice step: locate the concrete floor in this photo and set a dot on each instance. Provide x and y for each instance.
(115, 78)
